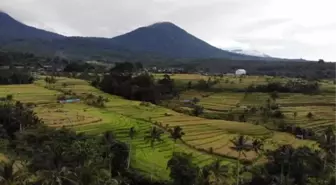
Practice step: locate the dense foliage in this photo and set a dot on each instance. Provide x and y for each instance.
(291, 86)
(126, 80)
(15, 77)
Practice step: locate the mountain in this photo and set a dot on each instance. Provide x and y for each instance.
(12, 29)
(160, 39)
(250, 52)
(170, 40)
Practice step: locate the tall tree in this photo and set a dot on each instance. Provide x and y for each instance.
(153, 136)
(131, 135)
(176, 134)
(182, 170)
(219, 172)
(241, 145)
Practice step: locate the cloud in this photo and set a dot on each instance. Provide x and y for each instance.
(285, 28)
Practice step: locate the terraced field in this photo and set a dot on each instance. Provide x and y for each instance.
(84, 118)
(322, 106)
(219, 132)
(119, 115)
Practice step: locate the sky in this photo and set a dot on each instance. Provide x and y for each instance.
(280, 28)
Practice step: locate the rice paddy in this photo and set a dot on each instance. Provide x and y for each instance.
(202, 135)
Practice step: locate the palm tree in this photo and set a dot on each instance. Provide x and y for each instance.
(153, 136)
(286, 158)
(258, 145)
(176, 134)
(11, 174)
(109, 140)
(327, 141)
(57, 177)
(93, 174)
(240, 144)
(219, 172)
(204, 176)
(131, 135)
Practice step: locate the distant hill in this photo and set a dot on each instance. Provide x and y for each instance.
(158, 40)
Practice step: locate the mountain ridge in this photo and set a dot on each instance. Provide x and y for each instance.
(162, 39)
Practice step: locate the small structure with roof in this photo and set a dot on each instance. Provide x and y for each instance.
(240, 72)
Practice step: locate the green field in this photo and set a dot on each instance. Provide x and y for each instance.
(119, 115)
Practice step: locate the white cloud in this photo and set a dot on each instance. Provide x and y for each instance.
(285, 28)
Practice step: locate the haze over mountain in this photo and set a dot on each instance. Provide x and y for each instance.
(160, 39)
(250, 52)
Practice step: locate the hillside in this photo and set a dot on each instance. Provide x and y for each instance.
(160, 39)
(11, 29)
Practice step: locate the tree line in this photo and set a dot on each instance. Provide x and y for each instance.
(127, 80)
(8, 77)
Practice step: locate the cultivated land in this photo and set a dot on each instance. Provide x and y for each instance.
(119, 115)
(322, 105)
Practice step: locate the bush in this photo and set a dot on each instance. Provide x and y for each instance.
(198, 110)
(146, 104)
(310, 115)
(278, 114)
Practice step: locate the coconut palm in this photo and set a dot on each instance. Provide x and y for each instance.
(240, 144)
(153, 135)
(12, 173)
(56, 177)
(327, 143)
(219, 172)
(109, 140)
(204, 176)
(176, 134)
(286, 156)
(92, 174)
(131, 135)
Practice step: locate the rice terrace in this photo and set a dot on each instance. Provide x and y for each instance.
(208, 134)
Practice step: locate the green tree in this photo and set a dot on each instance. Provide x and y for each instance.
(131, 135)
(274, 95)
(240, 144)
(219, 172)
(153, 135)
(176, 134)
(182, 170)
(12, 173)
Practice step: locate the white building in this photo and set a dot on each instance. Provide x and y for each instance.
(240, 72)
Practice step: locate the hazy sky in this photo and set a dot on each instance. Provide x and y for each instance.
(282, 28)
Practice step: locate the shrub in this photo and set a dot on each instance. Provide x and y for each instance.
(198, 110)
(310, 115)
(278, 114)
(146, 104)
